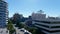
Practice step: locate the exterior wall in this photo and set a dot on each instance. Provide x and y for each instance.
(51, 33)
(37, 16)
(50, 25)
(47, 28)
(3, 13)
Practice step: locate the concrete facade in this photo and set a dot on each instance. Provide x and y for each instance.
(50, 25)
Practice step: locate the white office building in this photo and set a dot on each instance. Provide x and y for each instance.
(3, 13)
(50, 25)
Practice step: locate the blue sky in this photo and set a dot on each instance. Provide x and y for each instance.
(26, 7)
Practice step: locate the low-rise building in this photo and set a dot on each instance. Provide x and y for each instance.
(50, 25)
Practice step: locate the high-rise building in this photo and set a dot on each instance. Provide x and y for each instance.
(3, 13)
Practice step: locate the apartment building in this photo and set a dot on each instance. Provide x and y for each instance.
(3, 13)
(50, 25)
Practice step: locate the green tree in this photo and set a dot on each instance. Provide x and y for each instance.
(17, 18)
(10, 27)
(20, 25)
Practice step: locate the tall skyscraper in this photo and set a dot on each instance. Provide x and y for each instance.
(3, 13)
